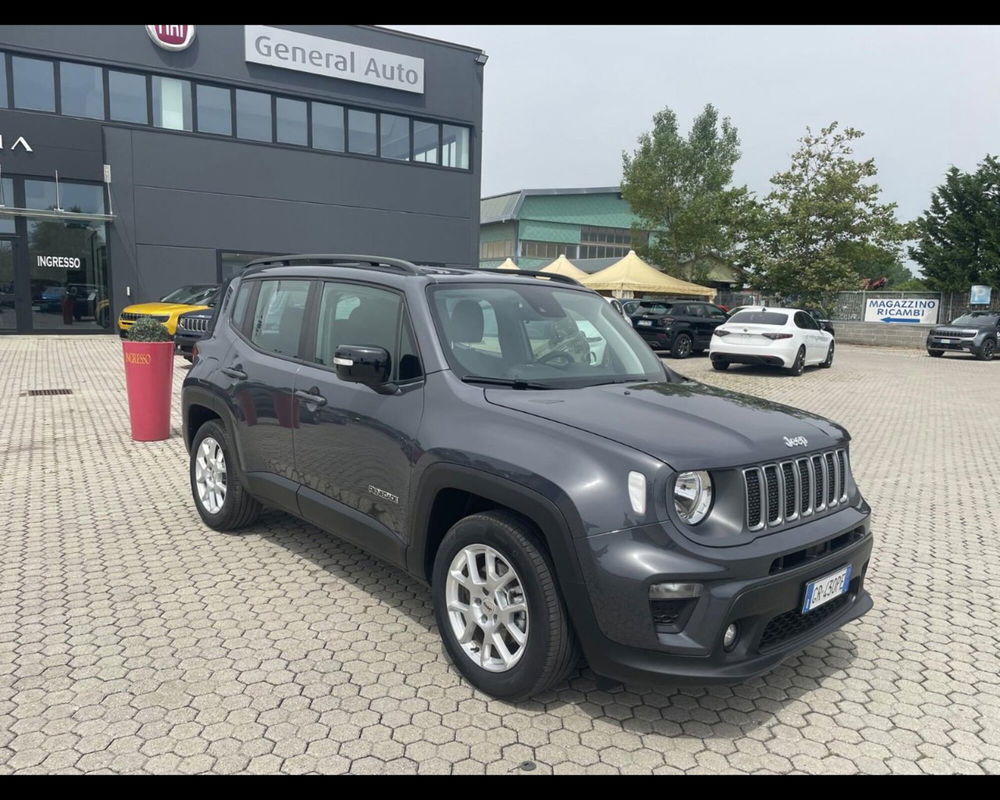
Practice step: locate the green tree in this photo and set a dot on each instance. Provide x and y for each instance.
(872, 262)
(959, 235)
(680, 188)
(805, 237)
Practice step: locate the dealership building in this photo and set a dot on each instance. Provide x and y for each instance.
(135, 159)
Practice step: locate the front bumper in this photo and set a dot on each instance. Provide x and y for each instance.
(740, 585)
(185, 341)
(954, 344)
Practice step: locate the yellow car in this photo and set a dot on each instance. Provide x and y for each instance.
(167, 310)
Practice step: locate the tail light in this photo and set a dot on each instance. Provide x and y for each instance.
(778, 335)
(720, 332)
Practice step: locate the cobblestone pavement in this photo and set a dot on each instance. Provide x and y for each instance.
(133, 638)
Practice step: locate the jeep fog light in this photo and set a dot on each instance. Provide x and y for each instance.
(674, 591)
(730, 636)
(693, 496)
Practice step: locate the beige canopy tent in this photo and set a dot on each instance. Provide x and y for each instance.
(563, 266)
(508, 264)
(632, 276)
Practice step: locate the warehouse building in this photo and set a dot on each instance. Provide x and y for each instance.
(138, 158)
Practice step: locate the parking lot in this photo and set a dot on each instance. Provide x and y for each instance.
(135, 639)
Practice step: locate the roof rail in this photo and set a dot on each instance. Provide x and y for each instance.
(555, 276)
(347, 260)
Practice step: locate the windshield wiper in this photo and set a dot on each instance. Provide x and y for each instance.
(620, 380)
(514, 383)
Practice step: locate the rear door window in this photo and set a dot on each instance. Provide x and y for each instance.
(278, 316)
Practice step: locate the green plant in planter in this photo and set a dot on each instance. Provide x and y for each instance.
(147, 329)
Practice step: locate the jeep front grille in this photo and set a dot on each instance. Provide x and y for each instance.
(129, 316)
(198, 324)
(788, 490)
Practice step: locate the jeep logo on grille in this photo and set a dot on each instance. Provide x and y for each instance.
(798, 441)
(171, 37)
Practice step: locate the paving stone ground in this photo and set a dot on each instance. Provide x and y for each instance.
(134, 639)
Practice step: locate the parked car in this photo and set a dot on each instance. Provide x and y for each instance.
(170, 307)
(616, 304)
(681, 326)
(776, 337)
(192, 326)
(975, 333)
(555, 503)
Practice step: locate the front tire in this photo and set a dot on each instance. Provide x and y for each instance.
(498, 607)
(720, 365)
(681, 348)
(935, 353)
(222, 501)
(799, 364)
(987, 351)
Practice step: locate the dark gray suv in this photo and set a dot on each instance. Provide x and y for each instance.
(510, 440)
(974, 333)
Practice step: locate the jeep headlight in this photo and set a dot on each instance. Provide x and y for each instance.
(693, 496)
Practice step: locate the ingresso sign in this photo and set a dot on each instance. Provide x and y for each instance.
(60, 262)
(901, 309)
(277, 47)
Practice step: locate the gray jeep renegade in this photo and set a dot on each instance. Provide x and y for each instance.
(510, 440)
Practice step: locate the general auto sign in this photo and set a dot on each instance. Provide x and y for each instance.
(286, 49)
(901, 309)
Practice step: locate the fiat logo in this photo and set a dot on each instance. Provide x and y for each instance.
(171, 37)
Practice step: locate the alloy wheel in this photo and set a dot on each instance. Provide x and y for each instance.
(487, 608)
(210, 475)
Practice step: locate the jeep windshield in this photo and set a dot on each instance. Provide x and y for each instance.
(978, 319)
(191, 295)
(538, 337)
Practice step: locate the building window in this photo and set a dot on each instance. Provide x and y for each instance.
(455, 150)
(501, 249)
(171, 103)
(292, 126)
(127, 96)
(81, 90)
(215, 110)
(231, 262)
(395, 136)
(426, 141)
(253, 115)
(3, 80)
(361, 132)
(34, 84)
(328, 127)
(6, 199)
(83, 198)
(591, 234)
(548, 250)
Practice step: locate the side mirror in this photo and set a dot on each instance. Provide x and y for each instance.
(361, 364)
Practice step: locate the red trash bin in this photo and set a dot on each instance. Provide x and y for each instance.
(149, 372)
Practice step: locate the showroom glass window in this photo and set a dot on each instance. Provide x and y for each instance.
(395, 134)
(81, 90)
(455, 150)
(231, 262)
(67, 259)
(361, 132)
(253, 115)
(328, 127)
(34, 84)
(6, 199)
(127, 97)
(171, 103)
(291, 122)
(215, 110)
(426, 141)
(3, 80)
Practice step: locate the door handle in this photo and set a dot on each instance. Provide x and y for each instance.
(309, 397)
(238, 374)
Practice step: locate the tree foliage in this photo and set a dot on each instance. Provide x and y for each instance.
(959, 235)
(814, 233)
(681, 188)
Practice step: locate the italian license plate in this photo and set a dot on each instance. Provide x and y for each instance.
(645, 322)
(949, 341)
(824, 589)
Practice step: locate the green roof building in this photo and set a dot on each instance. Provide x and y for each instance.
(592, 227)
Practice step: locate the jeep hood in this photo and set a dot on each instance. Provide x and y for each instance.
(688, 425)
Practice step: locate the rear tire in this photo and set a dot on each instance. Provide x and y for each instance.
(681, 347)
(799, 364)
(222, 501)
(720, 365)
(829, 358)
(987, 351)
(549, 649)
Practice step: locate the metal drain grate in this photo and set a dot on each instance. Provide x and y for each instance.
(45, 392)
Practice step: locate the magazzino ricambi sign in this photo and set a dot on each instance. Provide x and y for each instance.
(277, 47)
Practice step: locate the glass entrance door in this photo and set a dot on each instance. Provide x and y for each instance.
(8, 308)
